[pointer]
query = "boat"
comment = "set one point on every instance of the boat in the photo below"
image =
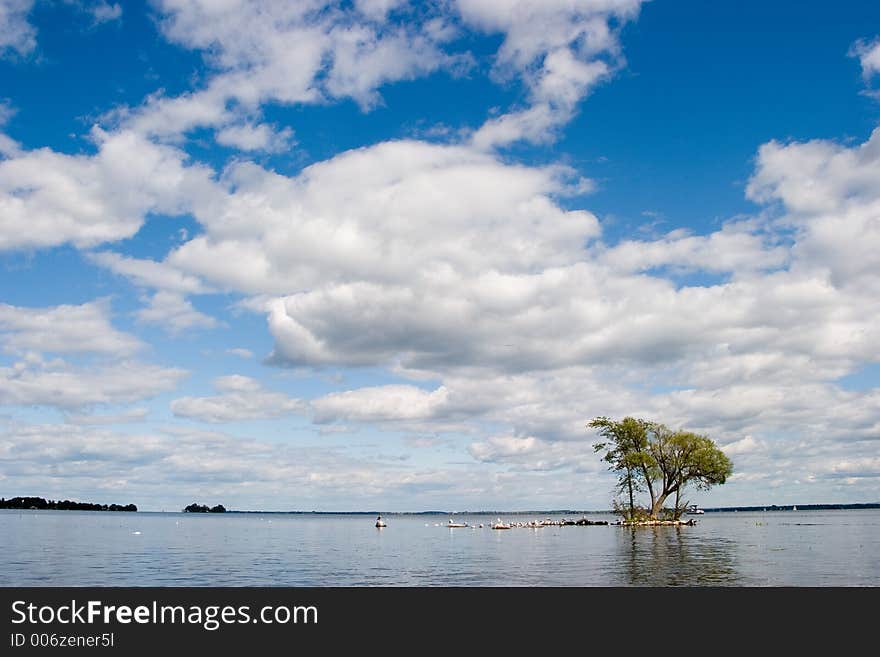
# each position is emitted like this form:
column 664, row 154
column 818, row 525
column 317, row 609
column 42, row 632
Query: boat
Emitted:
column 456, row 524
column 794, row 508
column 500, row 525
column 380, row 523
column 694, row 510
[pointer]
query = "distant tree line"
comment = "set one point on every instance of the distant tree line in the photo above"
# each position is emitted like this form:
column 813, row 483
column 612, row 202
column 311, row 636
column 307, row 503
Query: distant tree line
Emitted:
column 203, row 508
column 60, row 505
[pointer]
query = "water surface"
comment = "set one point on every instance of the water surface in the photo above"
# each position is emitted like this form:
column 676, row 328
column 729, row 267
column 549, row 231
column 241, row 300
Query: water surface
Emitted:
column 783, row 548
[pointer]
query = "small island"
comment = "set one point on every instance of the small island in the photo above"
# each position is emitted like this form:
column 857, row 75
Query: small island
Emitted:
column 203, row 508
column 650, row 457
column 40, row 504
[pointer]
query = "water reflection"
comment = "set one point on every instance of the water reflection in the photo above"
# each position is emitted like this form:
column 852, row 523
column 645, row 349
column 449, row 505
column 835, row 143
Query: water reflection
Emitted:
column 674, row 556
column 69, row 548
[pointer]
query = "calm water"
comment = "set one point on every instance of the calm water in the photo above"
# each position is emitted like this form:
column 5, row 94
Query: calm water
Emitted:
column 802, row 548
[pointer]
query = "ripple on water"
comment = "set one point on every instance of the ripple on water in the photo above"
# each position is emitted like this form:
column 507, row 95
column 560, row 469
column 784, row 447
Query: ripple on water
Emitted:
column 58, row 548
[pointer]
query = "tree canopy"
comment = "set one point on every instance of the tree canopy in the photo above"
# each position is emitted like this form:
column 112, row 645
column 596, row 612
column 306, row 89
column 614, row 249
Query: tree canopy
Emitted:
column 648, row 456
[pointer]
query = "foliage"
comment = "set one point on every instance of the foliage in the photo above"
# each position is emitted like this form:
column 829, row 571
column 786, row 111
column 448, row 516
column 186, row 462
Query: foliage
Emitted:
column 203, row 508
column 623, row 442
column 649, row 456
column 40, row 503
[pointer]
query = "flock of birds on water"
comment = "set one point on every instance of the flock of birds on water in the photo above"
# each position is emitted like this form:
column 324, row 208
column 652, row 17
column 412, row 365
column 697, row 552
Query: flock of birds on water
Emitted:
column 500, row 524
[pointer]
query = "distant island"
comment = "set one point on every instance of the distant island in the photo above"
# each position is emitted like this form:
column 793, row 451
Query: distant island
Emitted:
column 40, row 504
column 203, row 508
column 801, row 507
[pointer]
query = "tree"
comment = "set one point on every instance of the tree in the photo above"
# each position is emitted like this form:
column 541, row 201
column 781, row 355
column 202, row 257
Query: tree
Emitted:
column 650, row 456
column 624, row 443
column 681, row 458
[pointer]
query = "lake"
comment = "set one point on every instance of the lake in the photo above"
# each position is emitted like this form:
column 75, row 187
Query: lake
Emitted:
column 782, row 548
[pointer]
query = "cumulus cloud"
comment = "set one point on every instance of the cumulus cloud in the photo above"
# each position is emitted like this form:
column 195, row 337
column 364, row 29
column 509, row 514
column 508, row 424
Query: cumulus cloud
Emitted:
column 449, row 264
column 465, row 279
column 108, row 419
column 737, row 248
column 49, row 198
column 423, row 232
column 174, row 313
column 560, row 48
column 261, row 137
column 527, row 453
column 17, row 35
column 102, row 11
column 319, row 51
column 381, row 403
column 169, row 468
column 34, row 381
column 149, row 273
column 288, row 53
column 84, row 328
column 868, row 54
column 240, row 398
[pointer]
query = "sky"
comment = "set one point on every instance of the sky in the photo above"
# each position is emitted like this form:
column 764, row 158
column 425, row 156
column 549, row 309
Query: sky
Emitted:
column 390, row 255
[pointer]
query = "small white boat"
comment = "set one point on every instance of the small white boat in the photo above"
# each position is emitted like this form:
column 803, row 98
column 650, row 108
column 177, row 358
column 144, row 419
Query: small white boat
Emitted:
column 380, row 523
column 694, row 510
column 456, row 524
column 500, row 525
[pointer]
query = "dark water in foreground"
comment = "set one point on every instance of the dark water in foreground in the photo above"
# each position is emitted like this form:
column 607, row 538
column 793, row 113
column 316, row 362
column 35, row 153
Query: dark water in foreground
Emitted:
column 784, row 548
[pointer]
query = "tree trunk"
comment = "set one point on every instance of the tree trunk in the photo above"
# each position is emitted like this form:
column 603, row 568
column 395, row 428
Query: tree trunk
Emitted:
column 657, row 506
column 629, row 482
column 650, row 486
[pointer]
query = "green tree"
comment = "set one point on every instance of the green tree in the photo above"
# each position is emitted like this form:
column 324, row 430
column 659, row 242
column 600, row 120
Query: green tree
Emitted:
column 681, row 458
column 649, row 456
column 624, row 444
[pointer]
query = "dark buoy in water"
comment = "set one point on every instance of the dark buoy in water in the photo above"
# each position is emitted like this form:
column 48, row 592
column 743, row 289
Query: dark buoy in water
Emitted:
column 379, row 522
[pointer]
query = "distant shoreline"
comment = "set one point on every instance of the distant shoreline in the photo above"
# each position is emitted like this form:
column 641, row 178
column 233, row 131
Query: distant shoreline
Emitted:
column 30, row 503
column 768, row 508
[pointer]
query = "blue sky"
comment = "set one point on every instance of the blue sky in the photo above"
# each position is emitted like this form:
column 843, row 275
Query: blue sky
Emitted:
column 379, row 254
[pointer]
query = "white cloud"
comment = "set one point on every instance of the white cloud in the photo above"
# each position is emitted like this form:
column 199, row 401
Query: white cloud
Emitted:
column 168, row 469
column 102, row 11
column 831, row 201
column 241, row 352
column 49, row 198
column 377, row 9
column 108, row 419
column 260, row 137
column 451, row 265
column 16, row 33
column 34, row 381
column 446, row 264
column 380, row 403
column 744, row 445
column 174, row 313
column 561, row 49
column 736, row 248
column 84, row 328
column 530, row 453
column 288, row 53
column 868, row 53
column 19, row 36
column 240, row 398
column 8, row 146
column 149, row 273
